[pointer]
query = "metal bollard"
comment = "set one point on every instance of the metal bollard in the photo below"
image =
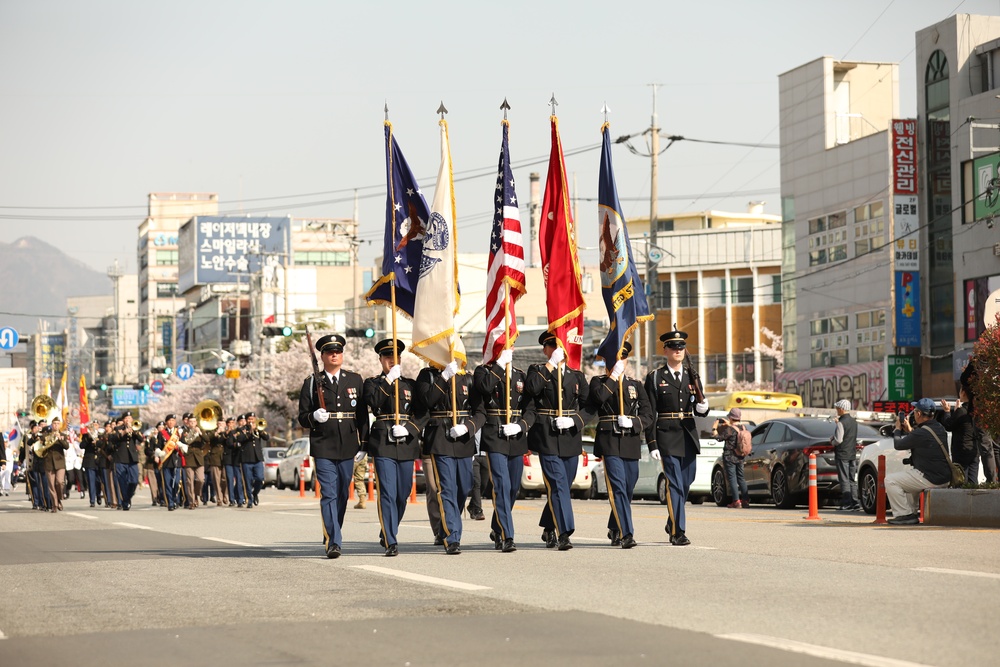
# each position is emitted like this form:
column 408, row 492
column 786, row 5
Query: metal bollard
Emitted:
column 813, row 491
column 880, row 492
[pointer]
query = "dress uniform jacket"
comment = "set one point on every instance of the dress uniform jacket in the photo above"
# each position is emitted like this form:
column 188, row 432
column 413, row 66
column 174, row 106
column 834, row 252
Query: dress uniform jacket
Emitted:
column 252, row 445
column 380, row 397
column 174, row 460
column 150, row 451
column 194, row 457
column 542, row 386
column 490, row 385
column 673, row 405
column 213, row 455
column 89, row 447
column 54, row 458
column 603, row 402
column 125, row 446
column 230, row 449
column 434, row 398
column 346, row 432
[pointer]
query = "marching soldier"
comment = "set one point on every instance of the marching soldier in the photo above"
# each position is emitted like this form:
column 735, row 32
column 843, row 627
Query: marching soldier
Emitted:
column 26, row 459
column 169, row 461
column 55, row 464
column 673, row 439
column 105, row 466
column 504, row 438
column 557, row 437
column 450, row 439
column 150, row 468
column 231, row 463
column 252, row 441
column 125, row 443
column 213, row 463
column 337, row 433
column 194, row 460
column 88, row 443
column 394, row 440
column 623, row 415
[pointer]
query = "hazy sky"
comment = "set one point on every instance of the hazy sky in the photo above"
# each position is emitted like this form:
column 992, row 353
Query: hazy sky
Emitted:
column 277, row 106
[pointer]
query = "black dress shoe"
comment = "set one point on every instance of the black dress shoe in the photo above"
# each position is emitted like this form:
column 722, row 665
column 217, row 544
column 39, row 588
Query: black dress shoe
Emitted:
column 550, row 539
column 564, row 543
column 438, row 541
column 381, row 540
column 391, row 550
column 628, row 542
column 905, row 520
column 680, row 540
column 615, row 537
column 333, row 550
column 497, row 542
column 508, row 546
column 453, row 549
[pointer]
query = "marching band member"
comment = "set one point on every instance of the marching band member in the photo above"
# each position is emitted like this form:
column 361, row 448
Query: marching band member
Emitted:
column 337, row 433
column 125, row 442
column 55, row 464
column 89, row 445
column 623, row 413
column 213, row 463
column 169, row 459
column 252, row 441
column 394, row 440
column 149, row 466
column 194, row 461
column 557, row 437
column 231, row 462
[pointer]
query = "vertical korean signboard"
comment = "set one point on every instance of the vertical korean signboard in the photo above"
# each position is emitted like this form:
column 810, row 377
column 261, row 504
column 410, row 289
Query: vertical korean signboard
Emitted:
column 906, row 235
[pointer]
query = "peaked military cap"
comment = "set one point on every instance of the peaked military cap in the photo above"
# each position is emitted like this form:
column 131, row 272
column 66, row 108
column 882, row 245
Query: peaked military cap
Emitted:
column 385, row 346
column 673, row 335
column 547, row 338
column 331, row 343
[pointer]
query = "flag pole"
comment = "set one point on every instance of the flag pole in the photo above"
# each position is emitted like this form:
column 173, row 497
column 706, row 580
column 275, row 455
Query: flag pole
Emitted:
column 392, row 281
column 506, row 334
column 454, row 399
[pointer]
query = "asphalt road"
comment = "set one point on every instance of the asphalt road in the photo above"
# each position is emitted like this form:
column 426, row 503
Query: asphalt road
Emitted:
column 252, row 587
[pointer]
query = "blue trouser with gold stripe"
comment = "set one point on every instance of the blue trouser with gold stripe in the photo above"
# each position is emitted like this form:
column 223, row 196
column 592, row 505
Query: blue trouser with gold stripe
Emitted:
column 335, row 477
column 558, row 472
column 234, row 480
column 453, row 477
column 505, row 471
column 679, row 471
column 621, row 476
column 393, row 479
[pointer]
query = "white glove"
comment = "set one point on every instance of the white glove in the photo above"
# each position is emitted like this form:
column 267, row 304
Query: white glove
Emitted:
column 393, row 374
column 184, row 447
column 701, row 407
column 655, row 453
column 450, row 371
column 505, row 358
column 458, row 430
column 359, row 456
column 563, row 423
column 399, row 431
column 618, row 369
column 557, row 356
column 624, row 422
column 158, row 453
column 321, row 416
column 511, row 429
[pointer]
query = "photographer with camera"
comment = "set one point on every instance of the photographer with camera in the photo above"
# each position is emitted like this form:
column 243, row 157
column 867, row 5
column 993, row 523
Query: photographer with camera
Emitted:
column 929, row 467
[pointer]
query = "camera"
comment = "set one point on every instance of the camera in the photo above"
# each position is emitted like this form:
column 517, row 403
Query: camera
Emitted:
column 901, row 415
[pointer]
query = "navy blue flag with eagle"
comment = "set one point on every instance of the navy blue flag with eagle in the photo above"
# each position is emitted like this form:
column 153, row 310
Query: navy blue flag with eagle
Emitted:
column 624, row 294
column 406, row 216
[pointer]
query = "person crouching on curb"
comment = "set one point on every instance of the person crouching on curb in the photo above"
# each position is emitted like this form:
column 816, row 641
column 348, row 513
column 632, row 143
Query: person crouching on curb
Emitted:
column 928, row 466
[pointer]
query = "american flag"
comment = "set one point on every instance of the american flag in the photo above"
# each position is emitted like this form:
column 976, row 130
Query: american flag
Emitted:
column 506, row 266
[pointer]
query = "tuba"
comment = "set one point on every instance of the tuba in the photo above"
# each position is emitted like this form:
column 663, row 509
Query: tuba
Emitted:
column 43, row 408
column 42, row 447
column 208, row 413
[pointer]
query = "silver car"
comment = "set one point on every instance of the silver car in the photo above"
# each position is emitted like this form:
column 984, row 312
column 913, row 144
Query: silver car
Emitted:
column 294, row 465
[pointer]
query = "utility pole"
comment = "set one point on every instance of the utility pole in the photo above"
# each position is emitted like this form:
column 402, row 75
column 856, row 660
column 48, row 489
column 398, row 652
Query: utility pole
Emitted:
column 652, row 277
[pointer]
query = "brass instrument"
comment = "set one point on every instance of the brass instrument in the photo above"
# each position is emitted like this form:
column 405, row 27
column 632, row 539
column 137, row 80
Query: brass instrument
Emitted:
column 137, row 425
column 43, row 408
column 261, row 424
column 42, row 447
column 209, row 414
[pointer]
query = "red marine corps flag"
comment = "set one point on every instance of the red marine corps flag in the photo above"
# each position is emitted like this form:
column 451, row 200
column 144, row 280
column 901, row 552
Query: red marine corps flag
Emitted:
column 560, row 262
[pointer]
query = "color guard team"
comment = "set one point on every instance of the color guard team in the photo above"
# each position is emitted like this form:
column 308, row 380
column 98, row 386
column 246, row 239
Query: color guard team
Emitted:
column 445, row 416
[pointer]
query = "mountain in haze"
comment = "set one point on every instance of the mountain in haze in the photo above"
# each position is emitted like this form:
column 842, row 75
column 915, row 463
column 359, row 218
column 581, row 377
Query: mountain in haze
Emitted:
column 36, row 278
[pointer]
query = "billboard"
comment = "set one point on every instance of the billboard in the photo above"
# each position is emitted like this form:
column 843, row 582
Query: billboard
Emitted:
column 905, row 212
column 907, row 309
column 227, row 249
column 985, row 171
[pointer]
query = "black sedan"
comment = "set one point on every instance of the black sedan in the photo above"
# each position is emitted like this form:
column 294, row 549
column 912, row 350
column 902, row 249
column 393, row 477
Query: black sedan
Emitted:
column 778, row 466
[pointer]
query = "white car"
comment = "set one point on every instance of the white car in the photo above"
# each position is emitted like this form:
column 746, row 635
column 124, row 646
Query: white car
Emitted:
column 711, row 450
column 532, row 484
column 294, row 465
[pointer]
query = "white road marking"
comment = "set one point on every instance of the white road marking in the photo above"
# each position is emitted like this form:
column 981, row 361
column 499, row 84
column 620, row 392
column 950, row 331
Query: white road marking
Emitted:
column 422, row 578
column 312, row 515
column 80, row 515
column 825, row 652
column 965, row 573
column 133, row 525
column 233, row 542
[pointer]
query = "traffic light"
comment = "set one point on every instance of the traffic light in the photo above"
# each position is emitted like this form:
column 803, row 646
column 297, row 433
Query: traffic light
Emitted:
column 276, row 331
column 144, row 387
column 22, row 413
column 165, row 372
column 361, row 333
column 214, row 370
column 104, row 386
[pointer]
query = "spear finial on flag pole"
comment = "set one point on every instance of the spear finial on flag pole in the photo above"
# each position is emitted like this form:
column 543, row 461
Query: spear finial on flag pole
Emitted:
column 605, row 110
column 553, row 104
column 505, row 107
column 387, row 110
column 441, row 110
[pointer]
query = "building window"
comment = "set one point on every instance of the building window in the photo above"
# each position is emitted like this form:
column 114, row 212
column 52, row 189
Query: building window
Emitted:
column 143, row 260
column 323, row 258
column 664, row 225
column 166, row 289
column 687, row 293
column 817, row 225
column 661, row 298
column 166, row 257
column 775, row 289
column 144, row 294
column 741, row 290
